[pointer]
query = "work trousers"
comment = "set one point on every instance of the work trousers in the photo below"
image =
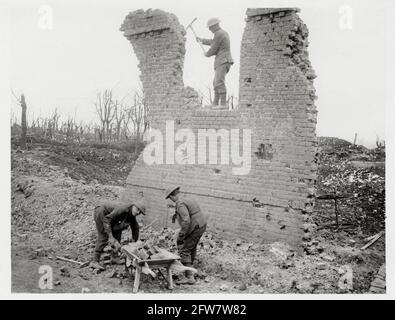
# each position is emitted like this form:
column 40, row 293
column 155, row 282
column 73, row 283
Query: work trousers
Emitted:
column 219, row 78
column 102, row 236
column 188, row 249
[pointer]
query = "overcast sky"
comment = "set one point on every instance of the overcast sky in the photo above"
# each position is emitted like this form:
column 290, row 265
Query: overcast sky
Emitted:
column 84, row 52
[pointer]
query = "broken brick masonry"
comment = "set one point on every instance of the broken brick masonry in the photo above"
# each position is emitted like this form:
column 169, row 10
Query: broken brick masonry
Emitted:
column 274, row 200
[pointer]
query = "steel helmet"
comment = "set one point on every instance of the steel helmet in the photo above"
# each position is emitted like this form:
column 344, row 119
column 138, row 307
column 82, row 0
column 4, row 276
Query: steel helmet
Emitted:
column 141, row 206
column 170, row 190
column 212, row 22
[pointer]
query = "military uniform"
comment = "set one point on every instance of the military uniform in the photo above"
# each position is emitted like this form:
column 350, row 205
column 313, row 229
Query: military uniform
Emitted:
column 110, row 219
column 193, row 225
column 220, row 47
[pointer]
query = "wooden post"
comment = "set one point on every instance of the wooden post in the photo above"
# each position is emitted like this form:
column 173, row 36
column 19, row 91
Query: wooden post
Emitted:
column 23, row 122
column 170, row 277
column 137, row 279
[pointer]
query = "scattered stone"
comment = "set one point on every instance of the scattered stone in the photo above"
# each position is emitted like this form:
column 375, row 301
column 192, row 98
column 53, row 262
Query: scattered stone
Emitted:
column 57, row 283
column 286, row 264
column 96, row 271
column 64, row 272
column 245, row 247
column 85, row 290
column 321, row 266
column 346, row 280
column 32, row 256
column 282, row 250
column 112, row 274
column 224, row 276
column 328, row 258
column 40, row 252
column 305, row 287
column 242, row 287
column 84, row 276
column 223, row 287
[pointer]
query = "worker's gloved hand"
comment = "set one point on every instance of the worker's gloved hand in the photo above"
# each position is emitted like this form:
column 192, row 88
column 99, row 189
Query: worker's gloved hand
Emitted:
column 115, row 244
column 179, row 242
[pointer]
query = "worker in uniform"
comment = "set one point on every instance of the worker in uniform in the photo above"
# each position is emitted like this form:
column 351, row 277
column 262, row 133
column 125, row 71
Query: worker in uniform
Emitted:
column 193, row 224
column 111, row 219
column 220, row 48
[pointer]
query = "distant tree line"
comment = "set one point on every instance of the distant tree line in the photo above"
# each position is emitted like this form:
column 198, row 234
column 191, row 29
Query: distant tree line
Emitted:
column 117, row 121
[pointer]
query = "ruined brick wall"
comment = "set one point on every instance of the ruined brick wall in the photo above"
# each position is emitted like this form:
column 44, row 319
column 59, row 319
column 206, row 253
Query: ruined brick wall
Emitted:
column 273, row 201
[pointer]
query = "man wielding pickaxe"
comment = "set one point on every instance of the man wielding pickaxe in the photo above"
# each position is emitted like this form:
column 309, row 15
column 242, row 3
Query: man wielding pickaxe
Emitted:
column 220, row 48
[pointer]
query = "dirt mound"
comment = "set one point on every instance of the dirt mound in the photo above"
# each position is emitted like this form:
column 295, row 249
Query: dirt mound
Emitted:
column 86, row 164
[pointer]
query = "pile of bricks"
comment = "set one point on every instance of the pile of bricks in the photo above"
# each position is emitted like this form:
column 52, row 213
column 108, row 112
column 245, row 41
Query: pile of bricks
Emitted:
column 274, row 200
column 378, row 285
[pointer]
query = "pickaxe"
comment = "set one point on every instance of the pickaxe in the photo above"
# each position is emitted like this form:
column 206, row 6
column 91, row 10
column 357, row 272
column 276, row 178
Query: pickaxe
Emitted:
column 190, row 27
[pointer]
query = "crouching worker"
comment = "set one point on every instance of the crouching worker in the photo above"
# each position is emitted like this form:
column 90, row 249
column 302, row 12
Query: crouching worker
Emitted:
column 111, row 219
column 193, row 225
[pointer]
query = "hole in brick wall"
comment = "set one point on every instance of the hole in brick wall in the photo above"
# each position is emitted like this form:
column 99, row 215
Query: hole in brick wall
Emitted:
column 256, row 203
column 178, row 121
column 265, row 151
column 249, row 105
column 216, row 171
column 247, row 80
column 268, row 217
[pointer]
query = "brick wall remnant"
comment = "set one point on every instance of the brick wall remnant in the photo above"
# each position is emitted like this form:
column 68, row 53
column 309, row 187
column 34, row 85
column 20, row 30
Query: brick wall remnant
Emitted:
column 276, row 101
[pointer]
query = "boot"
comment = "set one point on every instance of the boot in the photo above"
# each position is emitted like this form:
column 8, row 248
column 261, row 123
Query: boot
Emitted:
column 118, row 260
column 96, row 265
column 223, row 101
column 216, row 99
column 189, row 278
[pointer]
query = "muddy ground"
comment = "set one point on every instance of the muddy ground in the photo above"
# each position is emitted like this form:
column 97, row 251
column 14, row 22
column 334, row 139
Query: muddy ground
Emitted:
column 55, row 188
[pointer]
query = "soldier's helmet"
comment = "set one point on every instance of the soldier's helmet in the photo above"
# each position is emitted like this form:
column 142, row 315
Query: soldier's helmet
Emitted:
column 212, row 22
column 170, row 190
column 141, row 206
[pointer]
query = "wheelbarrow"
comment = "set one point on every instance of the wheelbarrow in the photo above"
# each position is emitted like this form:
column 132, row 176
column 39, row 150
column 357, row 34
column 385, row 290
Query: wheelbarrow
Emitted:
column 170, row 261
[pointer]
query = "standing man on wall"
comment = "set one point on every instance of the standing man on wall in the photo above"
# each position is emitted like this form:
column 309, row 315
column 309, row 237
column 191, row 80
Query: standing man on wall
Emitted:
column 220, row 47
column 193, row 224
column 111, row 219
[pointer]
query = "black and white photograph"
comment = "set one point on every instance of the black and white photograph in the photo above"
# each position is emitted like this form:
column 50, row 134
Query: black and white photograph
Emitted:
column 198, row 148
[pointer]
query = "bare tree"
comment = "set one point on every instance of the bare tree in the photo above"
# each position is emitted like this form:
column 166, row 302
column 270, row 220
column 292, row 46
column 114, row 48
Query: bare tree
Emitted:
column 119, row 118
column 22, row 103
column 23, row 121
column 138, row 114
column 105, row 109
